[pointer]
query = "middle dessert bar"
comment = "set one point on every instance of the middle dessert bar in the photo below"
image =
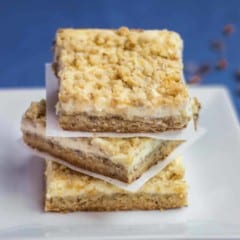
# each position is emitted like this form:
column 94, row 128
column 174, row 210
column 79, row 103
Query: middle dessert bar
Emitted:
column 123, row 159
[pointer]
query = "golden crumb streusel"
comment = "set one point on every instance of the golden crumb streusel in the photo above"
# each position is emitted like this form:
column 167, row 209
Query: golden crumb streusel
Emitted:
column 115, row 69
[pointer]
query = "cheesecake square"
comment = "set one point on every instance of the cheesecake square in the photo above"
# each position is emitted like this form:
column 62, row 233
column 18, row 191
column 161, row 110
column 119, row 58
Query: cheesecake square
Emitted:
column 69, row 191
column 125, row 159
column 120, row 80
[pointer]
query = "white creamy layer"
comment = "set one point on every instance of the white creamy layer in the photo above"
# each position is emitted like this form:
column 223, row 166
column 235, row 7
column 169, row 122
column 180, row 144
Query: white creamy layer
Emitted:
column 139, row 155
column 126, row 111
column 81, row 145
column 129, row 161
column 58, row 186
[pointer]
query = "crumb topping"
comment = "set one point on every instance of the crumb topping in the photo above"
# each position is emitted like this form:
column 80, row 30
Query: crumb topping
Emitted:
column 119, row 68
column 36, row 113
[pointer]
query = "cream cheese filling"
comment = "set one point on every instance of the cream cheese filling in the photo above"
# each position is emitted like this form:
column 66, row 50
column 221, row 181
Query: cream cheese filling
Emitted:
column 70, row 108
column 139, row 155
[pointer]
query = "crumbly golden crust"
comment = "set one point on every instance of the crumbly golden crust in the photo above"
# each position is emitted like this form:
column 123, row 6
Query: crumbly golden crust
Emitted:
column 36, row 113
column 84, row 122
column 117, row 202
column 110, row 70
column 68, row 190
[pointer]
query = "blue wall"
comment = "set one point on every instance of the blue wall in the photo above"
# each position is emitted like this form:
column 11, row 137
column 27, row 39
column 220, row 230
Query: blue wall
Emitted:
column 28, row 27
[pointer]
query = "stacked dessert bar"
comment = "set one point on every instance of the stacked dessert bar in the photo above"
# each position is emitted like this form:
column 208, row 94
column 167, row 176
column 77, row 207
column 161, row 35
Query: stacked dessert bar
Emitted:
column 118, row 81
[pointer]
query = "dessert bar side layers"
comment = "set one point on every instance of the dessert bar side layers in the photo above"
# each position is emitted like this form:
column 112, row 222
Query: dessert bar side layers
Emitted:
column 122, row 159
column 84, row 122
column 67, row 190
column 120, row 80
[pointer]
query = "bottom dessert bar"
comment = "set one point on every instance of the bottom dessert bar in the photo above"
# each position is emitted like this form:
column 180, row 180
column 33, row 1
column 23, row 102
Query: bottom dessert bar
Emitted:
column 67, row 191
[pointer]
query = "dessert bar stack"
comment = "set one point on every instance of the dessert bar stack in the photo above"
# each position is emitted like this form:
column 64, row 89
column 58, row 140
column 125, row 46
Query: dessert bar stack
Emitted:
column 113, row 81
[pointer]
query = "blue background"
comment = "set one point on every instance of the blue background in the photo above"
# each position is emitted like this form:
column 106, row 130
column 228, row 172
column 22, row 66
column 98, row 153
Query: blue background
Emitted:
column 28, row 28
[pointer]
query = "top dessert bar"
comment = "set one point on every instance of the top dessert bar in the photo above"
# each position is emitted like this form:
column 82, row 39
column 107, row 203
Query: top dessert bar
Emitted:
column 120, row 80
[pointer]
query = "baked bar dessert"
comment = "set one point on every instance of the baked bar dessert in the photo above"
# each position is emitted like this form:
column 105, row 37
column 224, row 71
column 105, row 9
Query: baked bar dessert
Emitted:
column 124, row 159
column 120, row 80
column 67, row 191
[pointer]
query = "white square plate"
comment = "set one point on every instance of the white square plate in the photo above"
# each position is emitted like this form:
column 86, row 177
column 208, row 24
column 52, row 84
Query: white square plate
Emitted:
column 212, row 171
